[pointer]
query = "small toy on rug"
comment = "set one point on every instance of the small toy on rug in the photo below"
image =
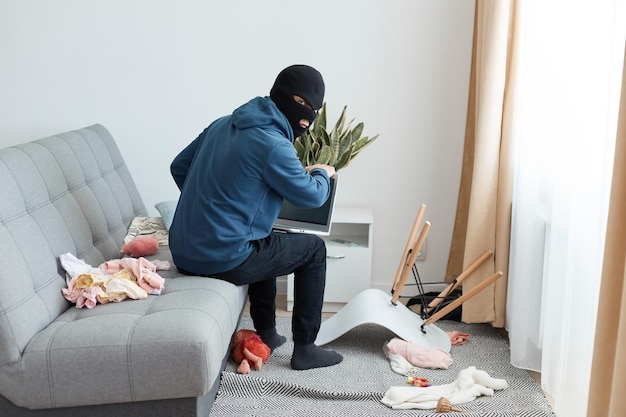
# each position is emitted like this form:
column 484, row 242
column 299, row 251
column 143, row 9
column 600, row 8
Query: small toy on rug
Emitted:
column 141, row 246
column 247, row 347
column 418, row 382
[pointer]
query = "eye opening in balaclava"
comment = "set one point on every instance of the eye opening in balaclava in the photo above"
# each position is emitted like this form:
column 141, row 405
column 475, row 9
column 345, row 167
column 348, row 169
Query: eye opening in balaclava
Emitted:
column 303, row 81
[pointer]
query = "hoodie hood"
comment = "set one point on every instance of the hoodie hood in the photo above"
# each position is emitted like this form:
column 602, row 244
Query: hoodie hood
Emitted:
column 262, row 113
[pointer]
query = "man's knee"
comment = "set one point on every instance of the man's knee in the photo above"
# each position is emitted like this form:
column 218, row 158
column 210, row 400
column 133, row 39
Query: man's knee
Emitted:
column 320, row 248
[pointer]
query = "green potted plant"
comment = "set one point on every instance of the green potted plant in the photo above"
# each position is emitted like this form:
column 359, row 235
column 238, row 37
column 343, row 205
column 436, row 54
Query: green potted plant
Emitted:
column 336, row 147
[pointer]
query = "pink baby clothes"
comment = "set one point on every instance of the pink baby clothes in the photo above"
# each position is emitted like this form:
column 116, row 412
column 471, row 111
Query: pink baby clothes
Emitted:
column 416, row 355
column 83, row 297
column 143, row 269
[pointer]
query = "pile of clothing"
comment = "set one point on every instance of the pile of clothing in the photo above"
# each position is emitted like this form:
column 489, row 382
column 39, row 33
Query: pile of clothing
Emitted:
column 112, row 281
column 470, row 384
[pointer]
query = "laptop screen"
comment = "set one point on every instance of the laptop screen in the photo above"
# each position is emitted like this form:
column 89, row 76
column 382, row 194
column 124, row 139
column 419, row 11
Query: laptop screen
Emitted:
column 308, row 220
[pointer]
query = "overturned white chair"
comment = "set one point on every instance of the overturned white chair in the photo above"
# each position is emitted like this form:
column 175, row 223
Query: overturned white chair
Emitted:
column 373, row 306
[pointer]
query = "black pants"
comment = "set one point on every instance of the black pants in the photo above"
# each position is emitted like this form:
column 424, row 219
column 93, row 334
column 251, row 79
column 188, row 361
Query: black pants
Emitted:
column 281, row 254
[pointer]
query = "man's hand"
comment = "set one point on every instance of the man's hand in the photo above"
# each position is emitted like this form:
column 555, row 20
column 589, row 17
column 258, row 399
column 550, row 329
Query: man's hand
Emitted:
column 329, row 170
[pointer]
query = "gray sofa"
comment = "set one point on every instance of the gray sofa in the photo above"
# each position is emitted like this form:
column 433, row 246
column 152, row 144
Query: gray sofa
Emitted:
column 161, row 356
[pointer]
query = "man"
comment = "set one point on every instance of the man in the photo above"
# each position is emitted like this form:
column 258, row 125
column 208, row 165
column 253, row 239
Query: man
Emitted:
column 233, row 179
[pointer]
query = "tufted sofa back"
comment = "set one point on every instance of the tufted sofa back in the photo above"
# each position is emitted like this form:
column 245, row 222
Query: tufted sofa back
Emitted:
column 66, row 193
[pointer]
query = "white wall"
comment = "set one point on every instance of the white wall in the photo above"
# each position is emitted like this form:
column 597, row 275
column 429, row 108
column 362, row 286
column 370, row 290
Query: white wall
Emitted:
column 155, row 73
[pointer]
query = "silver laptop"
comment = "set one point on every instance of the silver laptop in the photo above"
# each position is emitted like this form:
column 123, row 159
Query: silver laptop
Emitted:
column 308, row 220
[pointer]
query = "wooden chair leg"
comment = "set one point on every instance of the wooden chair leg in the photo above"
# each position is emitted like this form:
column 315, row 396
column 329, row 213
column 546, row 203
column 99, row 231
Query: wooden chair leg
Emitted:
column 407, row 270
column 404, row 262
column 452, row 286
column 462, row 299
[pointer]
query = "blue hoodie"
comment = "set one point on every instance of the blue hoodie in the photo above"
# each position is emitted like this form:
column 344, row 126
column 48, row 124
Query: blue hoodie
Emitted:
column 233, row 178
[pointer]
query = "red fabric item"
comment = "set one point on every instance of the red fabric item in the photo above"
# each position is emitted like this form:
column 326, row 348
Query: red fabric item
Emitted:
column 458, row 338
column 141, row 246
column 247, row 347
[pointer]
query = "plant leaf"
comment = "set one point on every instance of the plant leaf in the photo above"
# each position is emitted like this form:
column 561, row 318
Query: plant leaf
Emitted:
column 343, row 161
column 325, row 155
column 358, row 129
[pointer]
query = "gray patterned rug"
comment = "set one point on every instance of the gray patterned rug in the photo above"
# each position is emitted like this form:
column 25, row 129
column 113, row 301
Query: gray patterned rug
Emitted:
column 356, row 386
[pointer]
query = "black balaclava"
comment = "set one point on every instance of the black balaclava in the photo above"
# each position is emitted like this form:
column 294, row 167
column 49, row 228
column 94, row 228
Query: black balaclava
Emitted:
column 303, row 81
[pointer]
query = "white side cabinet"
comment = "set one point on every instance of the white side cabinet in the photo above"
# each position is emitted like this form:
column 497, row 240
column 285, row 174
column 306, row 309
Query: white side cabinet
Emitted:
column 349, row 258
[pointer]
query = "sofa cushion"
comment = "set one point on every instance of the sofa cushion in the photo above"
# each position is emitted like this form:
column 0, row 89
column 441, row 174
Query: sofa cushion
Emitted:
column 166, row 210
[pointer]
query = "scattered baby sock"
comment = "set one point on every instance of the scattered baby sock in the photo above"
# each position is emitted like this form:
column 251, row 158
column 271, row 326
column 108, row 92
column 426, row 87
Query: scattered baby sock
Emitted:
column 271, row 338
column 311, row 356
column 458, row 338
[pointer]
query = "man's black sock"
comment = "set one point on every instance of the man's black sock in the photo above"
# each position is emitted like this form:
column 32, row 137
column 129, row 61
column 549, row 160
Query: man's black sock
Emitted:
column 271, row 338
column 312, row 356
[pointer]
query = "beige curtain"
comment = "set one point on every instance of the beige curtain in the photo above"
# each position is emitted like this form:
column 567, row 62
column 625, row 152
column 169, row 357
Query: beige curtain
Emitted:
column 608, row 373
column 484, row 204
